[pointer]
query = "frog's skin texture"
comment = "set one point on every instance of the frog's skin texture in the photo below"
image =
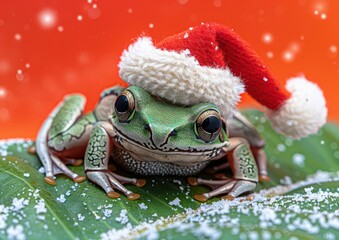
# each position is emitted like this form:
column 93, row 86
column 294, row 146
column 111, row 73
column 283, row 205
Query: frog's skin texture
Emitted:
column 149, row 136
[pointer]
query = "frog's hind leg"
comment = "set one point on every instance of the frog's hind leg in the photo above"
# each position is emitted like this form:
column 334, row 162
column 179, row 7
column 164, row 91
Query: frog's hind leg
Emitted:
column 56, row 135
column 239, row 126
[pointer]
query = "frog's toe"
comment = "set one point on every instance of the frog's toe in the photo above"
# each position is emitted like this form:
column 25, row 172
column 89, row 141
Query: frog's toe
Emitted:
column 133, row 196
column 249, row 198
column 100, row 178
column 109, row 181
column 50, row 180
column 233, row 188
column 140, row 182
column 192, row 181
column 113, row 194
column 31, row 150
column 228, row 197
column 200, row 197
column 79, row 179
column 59, row 167
column 74, row 162
column 127, row 180
column 210, row 170
column 113, row 168
column 241, row 187
column 264, row 178
column 220, row 176
column 214, row 184
column 77, row 162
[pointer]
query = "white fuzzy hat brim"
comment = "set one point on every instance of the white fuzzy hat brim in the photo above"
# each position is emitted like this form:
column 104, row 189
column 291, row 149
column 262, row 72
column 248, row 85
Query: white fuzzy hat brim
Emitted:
column 178, row 77
column 304, row 113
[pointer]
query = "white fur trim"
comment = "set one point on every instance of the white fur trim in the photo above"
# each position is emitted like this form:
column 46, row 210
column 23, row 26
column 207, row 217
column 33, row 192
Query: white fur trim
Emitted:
column 178, row 77
column 303, row 113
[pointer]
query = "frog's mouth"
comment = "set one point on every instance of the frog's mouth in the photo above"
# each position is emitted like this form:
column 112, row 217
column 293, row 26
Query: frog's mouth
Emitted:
column 143, row 152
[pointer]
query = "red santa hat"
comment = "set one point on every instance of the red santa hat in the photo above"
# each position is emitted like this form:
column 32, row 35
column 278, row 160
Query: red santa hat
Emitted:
column 211, row 63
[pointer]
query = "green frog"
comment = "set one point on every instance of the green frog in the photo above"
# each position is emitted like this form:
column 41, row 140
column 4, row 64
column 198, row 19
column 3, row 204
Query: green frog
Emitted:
column 147, row 135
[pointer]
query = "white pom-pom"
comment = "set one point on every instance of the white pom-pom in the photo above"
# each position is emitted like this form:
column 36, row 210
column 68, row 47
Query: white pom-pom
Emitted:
column 303, row 113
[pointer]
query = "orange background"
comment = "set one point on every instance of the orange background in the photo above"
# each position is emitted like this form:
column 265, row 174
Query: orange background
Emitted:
column 79, row 49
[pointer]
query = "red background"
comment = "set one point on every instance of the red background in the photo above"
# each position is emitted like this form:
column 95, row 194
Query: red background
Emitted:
column 39, row 65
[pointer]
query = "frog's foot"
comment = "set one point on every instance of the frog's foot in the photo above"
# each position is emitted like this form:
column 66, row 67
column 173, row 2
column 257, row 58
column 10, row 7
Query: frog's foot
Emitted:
column 231, row 187
column 59, row 167
column 74, row 162
column 31, row 150
column 110, row 181
column 264, row 178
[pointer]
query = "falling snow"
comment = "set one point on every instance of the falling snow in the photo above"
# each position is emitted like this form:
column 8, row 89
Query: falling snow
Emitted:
column 17, row 37
column 298, row 159
column 267, row 38
column 3, row 92
column 281, row 147
column 333, row 48
column 270, row 54
column 19, row 75
column 288, row 56
column 47, row 18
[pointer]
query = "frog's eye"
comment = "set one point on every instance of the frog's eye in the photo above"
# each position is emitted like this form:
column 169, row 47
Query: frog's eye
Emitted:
column 208, row 125
column 124, row 106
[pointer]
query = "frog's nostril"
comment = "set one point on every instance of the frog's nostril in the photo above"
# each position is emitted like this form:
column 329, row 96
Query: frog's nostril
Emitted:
column 173, row 133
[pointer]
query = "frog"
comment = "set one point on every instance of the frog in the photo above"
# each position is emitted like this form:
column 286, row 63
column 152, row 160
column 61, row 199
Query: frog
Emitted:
column 146, row 135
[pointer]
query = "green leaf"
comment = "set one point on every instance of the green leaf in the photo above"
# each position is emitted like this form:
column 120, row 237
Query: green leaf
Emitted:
column 300, row 201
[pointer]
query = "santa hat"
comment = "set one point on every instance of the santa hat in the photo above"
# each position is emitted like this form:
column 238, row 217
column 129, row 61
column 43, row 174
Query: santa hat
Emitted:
column 211, row 63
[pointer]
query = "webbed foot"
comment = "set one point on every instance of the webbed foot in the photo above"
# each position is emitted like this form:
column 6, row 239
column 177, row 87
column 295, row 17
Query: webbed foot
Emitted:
column 231, row 187
column 110, row 181
column 54, row 166
column 245, row 174
column 59, row 167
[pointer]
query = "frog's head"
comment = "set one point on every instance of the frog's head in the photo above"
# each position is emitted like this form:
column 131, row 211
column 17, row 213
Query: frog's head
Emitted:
column 144, row 122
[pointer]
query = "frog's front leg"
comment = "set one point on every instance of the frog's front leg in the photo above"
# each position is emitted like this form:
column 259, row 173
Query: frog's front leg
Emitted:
column 97, row 157
column 245, row 173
